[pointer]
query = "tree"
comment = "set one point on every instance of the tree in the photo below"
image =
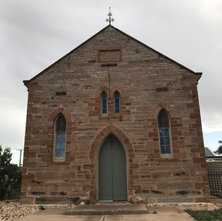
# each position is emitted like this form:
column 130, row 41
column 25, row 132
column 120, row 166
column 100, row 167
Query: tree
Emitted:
column 219, row 150
column 10, row 176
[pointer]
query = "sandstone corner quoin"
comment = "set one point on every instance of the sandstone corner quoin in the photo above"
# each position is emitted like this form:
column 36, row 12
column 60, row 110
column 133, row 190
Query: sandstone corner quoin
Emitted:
column 114, row 120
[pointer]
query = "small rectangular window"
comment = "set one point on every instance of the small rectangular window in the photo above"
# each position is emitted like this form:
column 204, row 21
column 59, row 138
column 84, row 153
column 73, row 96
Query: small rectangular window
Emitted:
column 60, row 93
column 162, row 89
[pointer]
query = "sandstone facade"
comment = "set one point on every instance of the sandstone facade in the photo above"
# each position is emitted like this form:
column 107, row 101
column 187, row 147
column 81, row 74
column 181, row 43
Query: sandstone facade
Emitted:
column 147, row 82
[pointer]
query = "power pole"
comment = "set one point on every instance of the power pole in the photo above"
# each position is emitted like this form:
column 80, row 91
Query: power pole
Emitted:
column 20, row 158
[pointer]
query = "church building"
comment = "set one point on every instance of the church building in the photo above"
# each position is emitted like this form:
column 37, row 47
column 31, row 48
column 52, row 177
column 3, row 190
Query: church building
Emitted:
column 114, row 120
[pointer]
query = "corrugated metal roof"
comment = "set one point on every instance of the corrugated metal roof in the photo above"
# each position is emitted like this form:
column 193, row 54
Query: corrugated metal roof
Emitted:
column 209, row 152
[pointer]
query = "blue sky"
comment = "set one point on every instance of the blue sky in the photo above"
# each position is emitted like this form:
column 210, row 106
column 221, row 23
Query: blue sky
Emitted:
column 16, row 156
column 211, row 139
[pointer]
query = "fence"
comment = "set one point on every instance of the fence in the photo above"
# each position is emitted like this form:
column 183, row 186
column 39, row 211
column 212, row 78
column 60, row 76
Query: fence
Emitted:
column 215, row 182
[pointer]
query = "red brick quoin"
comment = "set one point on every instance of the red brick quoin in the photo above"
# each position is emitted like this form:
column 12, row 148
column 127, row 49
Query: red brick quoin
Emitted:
column 161, row 106
column 56, row 112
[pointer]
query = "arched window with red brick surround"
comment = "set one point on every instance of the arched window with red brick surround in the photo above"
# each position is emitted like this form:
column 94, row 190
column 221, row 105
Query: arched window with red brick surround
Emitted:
column 116, row 99
column 164, row 130
column 104, row 104
column 60, row 138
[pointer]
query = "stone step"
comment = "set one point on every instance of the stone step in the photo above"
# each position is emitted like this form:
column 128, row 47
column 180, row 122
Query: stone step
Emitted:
column 108, row 209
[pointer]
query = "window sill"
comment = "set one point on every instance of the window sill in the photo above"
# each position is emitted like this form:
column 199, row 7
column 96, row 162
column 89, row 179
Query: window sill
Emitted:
column 59, row 159
column 166, row 156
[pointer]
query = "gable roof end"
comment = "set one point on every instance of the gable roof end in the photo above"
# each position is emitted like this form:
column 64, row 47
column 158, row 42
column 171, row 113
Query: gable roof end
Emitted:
column 209, row 152
column 128, row 36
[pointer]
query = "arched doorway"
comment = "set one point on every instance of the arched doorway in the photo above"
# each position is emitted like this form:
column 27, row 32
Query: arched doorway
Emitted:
column 112, row 171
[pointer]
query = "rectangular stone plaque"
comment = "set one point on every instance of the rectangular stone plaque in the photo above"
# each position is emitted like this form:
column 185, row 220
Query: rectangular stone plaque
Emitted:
column 109, row 55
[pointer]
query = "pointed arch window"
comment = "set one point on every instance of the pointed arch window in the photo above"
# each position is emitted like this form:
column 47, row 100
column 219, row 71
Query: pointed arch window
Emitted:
column 104, row 103
column 116, row 103
column 165, row 140
column 60, row 138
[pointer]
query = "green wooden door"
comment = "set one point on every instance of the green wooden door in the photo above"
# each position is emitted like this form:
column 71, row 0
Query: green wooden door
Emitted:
column 112, row 171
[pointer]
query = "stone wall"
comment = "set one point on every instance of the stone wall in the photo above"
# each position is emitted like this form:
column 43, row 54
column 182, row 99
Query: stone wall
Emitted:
column 140, row 76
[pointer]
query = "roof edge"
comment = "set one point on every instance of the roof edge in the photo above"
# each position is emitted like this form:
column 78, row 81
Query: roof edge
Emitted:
column 109, row 25
column 27, row 81
column 198, row 73
column 193, row 72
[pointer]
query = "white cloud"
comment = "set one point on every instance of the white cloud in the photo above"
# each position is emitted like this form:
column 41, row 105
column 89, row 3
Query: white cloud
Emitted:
column 36, row 33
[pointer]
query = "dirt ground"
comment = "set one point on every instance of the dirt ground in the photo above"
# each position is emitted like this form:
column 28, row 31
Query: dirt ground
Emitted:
column 14, row 211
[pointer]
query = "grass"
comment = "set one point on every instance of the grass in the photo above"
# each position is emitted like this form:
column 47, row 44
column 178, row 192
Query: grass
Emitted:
column 204, row 215
column 41, row 207
column 216, row 193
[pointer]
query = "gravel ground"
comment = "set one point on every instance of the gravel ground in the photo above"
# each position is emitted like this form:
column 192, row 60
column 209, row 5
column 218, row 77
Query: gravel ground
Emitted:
column 13, row 211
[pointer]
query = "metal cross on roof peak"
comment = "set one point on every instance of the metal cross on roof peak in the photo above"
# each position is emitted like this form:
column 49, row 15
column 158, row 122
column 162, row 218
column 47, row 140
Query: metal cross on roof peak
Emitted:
column 110, row 19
